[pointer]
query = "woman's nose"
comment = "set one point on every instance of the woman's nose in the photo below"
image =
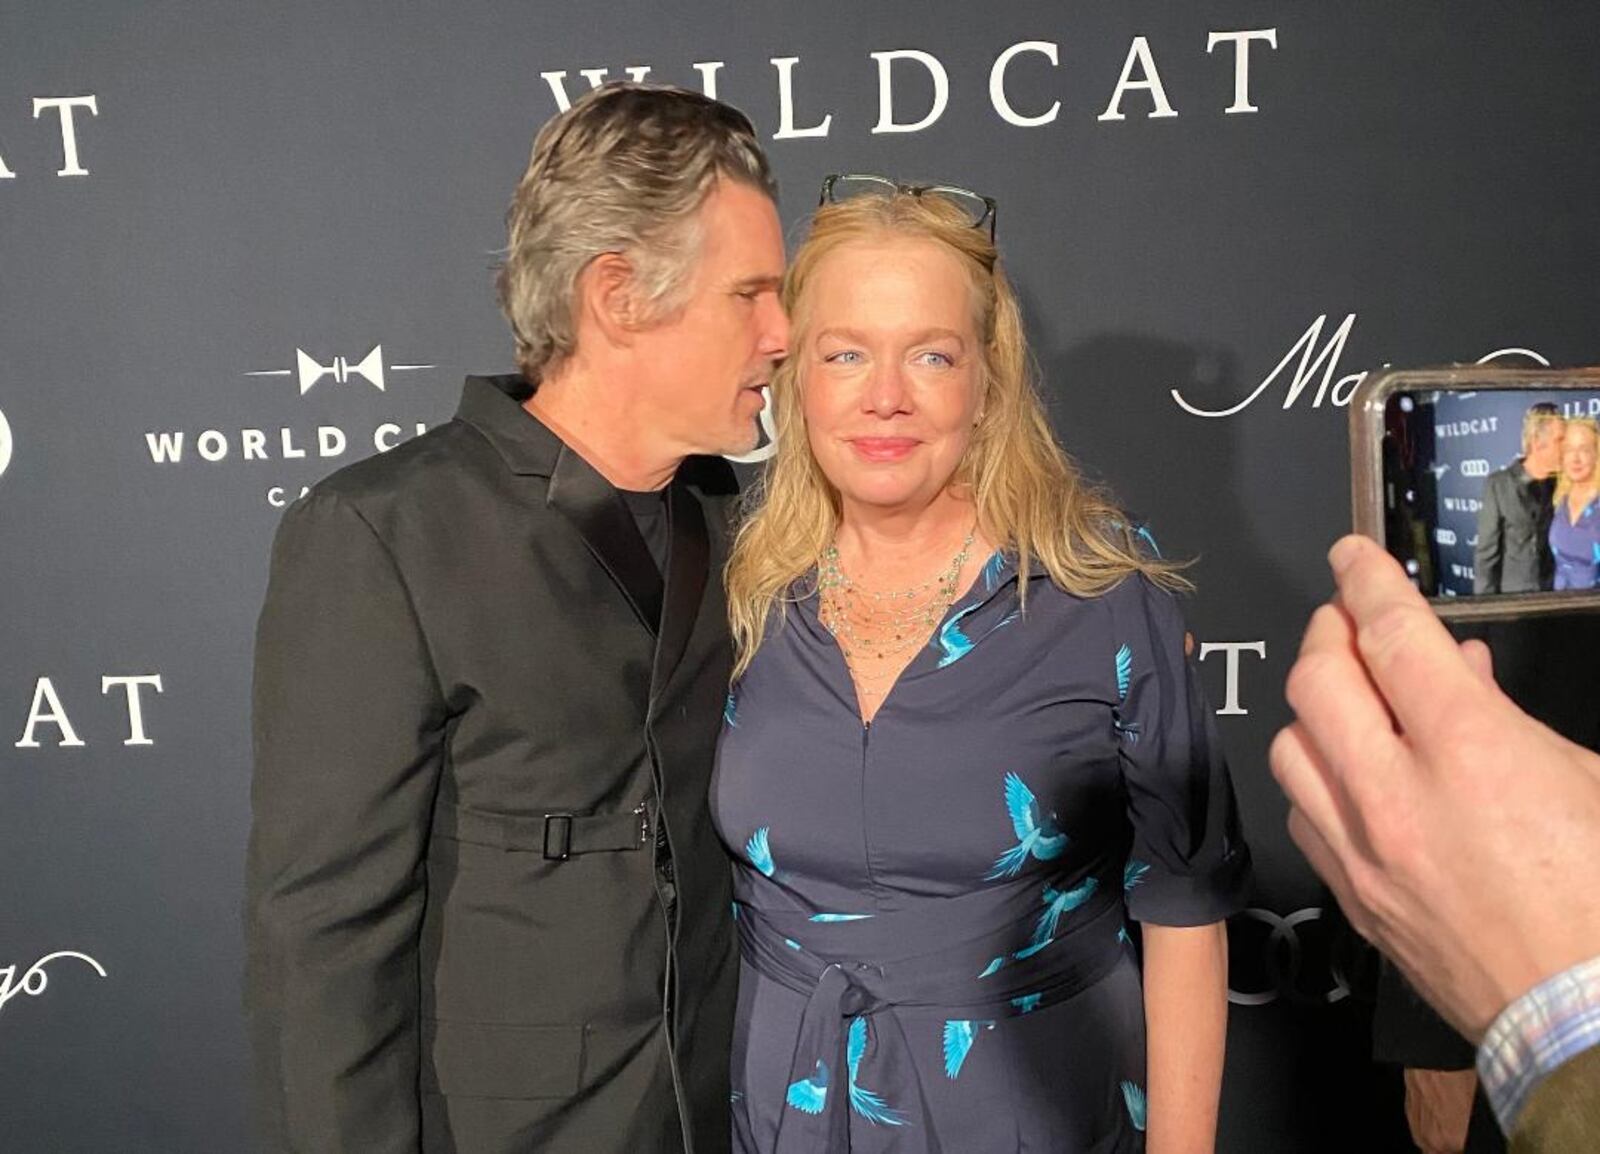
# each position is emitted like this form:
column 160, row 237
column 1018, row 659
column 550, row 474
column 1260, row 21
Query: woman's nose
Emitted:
column 886, row 390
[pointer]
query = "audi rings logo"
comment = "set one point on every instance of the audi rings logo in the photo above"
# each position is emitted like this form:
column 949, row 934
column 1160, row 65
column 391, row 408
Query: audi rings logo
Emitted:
column 1475, row 468
column 1445, row 536
column 5, row 444
column 1272, row 956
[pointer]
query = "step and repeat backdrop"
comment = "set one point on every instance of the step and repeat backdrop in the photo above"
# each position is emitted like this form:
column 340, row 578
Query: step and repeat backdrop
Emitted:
column 244, row 245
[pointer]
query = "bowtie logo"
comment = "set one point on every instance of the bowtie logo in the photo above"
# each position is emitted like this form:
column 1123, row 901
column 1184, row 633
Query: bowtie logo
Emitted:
column 309, row 371
column 369, row 368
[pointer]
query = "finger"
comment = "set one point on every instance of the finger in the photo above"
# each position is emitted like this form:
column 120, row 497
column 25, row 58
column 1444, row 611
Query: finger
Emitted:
column 1414, row 662
column 1330, row 869
column 1313, row 791
column 1480, row 660
column 1329, row 689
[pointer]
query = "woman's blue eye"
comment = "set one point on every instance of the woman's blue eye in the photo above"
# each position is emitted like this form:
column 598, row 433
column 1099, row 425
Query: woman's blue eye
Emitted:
column 942, row 359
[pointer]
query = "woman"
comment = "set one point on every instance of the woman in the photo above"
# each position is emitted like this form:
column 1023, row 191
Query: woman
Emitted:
column 1575, row 529
column 963, row 743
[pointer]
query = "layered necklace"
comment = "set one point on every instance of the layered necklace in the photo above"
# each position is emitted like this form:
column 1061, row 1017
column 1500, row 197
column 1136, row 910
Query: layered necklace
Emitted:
column 874, row 626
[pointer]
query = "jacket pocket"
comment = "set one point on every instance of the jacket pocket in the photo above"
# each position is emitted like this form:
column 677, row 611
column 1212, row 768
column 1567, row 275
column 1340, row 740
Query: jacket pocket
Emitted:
column 495, row 1060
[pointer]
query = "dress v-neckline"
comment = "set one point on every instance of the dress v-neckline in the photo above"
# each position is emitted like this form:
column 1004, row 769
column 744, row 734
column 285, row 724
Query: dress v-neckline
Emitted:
column 990, row 577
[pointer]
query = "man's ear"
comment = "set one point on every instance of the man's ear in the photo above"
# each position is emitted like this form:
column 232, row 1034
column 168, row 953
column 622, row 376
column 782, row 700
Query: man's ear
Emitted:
column 606, row 297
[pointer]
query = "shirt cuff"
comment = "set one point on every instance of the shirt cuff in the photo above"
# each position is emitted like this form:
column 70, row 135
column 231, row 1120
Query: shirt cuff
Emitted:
column 1556, row 1020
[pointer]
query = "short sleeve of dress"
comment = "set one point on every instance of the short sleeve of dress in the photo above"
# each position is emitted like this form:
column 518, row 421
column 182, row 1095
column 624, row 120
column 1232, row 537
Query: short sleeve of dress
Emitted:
column 1189, row 864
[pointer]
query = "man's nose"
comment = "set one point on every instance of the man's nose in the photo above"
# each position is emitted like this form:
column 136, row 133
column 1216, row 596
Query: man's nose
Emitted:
column 774, row 329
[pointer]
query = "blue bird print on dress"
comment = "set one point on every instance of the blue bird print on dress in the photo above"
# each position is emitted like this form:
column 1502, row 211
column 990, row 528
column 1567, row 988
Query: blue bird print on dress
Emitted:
column 759, row 851
column 791, row 943
column 1027, row 1003
column 1133, row 872
column 810, row 1095
column 958, row 1038
column 1143, row 531
column 1122, row 936
column 839, row 917
column 1128, row 729
column 1057, row 903
column 955, row 643
column 1133, row 1097
column 730, row 712
column 991, row 570
column 1036, row 835
column 863, row 1101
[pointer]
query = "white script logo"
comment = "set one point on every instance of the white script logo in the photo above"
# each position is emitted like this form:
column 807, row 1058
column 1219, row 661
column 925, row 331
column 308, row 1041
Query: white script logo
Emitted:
column 34, row 980
column 1339, row 391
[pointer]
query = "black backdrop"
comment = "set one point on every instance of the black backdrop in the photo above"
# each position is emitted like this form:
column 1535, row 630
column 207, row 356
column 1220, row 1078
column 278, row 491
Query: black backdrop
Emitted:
column 243, row 245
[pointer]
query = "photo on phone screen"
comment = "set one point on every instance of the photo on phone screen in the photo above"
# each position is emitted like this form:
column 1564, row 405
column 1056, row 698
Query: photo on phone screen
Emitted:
column 1484, row 485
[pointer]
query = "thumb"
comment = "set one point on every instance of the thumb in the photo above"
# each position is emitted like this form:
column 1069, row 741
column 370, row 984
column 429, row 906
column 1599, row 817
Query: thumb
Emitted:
column 1480, row 660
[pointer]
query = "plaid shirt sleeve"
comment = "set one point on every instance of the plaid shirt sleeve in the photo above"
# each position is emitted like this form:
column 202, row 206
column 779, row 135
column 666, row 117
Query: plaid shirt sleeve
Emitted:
column 1556, row 1020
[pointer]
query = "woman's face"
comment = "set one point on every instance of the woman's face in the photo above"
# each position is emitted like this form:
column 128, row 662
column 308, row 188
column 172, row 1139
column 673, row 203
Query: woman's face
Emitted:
column 1578, row 454
column 890, row 370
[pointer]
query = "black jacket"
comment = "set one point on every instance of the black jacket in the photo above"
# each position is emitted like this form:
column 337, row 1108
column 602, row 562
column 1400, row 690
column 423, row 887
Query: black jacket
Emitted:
column 1513, row 550
column 486, row 910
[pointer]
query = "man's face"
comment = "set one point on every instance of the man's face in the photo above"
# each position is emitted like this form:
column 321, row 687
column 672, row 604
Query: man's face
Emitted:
column 1544, row 454
column 700, row 372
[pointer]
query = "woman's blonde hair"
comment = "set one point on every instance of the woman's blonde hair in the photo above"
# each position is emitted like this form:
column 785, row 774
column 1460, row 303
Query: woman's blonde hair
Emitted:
column 1563, row 482
column 1030, row 498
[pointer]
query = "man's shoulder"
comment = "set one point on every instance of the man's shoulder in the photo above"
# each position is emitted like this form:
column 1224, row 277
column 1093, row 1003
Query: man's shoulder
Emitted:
column 429, row 463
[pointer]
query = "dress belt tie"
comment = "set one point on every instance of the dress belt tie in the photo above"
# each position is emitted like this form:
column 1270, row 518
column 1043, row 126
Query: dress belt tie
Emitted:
column 865, row 967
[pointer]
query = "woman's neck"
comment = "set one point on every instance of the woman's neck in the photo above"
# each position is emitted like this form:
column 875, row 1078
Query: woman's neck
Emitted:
column 890, row 546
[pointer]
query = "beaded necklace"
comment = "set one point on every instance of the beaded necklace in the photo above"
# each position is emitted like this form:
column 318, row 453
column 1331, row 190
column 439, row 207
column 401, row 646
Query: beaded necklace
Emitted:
column 871, row 625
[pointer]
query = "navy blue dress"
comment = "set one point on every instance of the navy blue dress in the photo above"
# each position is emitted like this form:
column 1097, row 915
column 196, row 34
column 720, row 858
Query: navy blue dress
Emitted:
column 932, row 909
column 1576, row 546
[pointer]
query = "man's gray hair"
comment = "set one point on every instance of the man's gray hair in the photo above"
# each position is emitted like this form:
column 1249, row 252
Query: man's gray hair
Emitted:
column 624, row 170
column 1535, row 419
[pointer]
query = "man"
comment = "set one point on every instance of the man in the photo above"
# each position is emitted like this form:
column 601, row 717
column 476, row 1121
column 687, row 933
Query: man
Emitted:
column 1459, row 835
column 1513, row 550
column 486, row 908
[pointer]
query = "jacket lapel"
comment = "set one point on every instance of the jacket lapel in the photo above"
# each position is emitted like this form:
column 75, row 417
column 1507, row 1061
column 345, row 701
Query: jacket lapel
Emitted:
column 595, row 509
column 688, row 561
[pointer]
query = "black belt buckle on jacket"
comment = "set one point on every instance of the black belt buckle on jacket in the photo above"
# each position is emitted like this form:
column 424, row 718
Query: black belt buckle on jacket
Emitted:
column 563, row 837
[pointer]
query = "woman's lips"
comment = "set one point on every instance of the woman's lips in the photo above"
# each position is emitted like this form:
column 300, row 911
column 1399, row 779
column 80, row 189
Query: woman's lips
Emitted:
column 883, row 448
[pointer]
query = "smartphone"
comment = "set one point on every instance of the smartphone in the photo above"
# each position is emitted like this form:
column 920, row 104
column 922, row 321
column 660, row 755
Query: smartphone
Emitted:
column 1484, row 482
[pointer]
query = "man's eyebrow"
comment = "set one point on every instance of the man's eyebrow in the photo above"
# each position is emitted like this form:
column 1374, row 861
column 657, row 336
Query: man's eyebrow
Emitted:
column 759, row 283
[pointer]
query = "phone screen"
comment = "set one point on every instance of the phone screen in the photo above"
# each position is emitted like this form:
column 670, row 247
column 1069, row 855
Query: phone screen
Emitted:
column 1493, row 491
